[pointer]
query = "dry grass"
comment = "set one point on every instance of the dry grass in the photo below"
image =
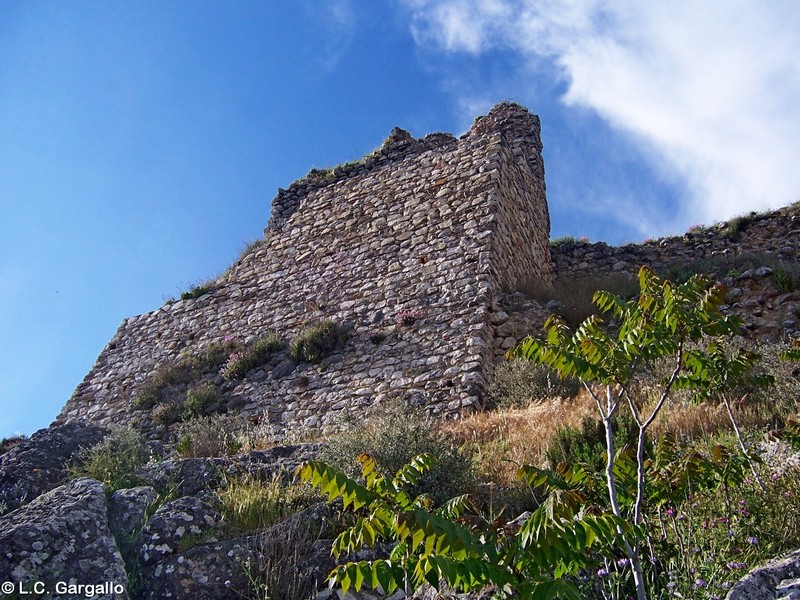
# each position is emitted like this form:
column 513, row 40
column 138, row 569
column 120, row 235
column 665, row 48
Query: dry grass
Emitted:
column 685, row 420
column 504, row 439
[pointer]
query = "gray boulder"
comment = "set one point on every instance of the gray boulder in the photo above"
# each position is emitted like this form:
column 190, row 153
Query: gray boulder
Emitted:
column 175, row 525
column 190, row 476
column 126, row 513
column 63, row 536
column 40, row 463
column 287, row 560
column 776, row 579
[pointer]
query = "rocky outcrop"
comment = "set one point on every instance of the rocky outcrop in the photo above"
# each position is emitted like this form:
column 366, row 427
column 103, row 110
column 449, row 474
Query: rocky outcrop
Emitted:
column 40, row 463
column 127, row 510
column 62, row 537
column 178, row 548
column 285, row 560
column 193, row 475
column 779, row 579
column 174, row 525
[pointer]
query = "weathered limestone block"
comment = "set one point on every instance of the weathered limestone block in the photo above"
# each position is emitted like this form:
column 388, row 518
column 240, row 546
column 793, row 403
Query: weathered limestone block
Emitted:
column 284, row 560
column 769, row 581
column 40, row 463
column 191, row 476
column 126, row 513
column 62, row 536
column 172, row 524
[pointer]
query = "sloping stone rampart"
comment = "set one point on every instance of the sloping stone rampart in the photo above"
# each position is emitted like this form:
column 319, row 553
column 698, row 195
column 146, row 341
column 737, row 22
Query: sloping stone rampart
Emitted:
column 775, row 233
column 438, row 226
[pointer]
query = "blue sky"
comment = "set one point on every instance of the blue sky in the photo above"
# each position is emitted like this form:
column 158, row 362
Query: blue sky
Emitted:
column 141, row 143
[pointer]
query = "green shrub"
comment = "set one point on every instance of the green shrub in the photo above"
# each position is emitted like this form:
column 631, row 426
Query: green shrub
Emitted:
column 188, row 369
column 566, row 241
column 738, row 224
column 239, row 363
column 168, row 413
column 217, row 435
column 8, row 443
column 587, row 446
column 319, row 174
column 202, row 400
column 198, row 290
column 115, row 461
column 165, row 376
column 212, row 356
column 517, row 383
column 318, row 341
column 148, row 397
column 393, row 435
column 784, row 279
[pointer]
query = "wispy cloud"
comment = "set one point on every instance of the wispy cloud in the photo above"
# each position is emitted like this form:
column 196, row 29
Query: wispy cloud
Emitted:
column 338, row 21
column 710, row 92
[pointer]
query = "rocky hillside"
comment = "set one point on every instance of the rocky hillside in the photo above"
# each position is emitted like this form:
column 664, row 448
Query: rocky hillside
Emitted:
column 163, row 530
column 756, row 256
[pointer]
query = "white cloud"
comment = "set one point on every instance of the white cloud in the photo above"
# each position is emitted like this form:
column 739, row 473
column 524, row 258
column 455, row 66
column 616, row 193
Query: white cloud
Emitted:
column 710, row 91
column 338, row 22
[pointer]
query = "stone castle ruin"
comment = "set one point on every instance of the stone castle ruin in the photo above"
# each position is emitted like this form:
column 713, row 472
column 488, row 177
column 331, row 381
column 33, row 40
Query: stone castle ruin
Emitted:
column 407, row 250
column 426, row 260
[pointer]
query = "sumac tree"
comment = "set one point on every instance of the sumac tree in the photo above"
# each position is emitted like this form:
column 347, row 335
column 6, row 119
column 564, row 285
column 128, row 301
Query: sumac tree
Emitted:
column 455, row 546
column 606, row 356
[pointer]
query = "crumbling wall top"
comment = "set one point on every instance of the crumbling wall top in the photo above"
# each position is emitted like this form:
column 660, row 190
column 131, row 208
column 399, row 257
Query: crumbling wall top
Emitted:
column 514, row 121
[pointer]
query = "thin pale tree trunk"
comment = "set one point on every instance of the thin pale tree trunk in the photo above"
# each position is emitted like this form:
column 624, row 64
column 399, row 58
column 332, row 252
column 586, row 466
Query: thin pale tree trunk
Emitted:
column 631, row 551
column 742, row 443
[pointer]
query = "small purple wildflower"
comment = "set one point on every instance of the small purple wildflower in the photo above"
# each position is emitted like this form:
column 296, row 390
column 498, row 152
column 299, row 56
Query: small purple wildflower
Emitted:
column 752, row 540
column 700, row 583
column 622, row 562
column 602, row 572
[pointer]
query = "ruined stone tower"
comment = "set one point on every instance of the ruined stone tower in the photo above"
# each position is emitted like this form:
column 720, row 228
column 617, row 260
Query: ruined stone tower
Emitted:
column 435, row 227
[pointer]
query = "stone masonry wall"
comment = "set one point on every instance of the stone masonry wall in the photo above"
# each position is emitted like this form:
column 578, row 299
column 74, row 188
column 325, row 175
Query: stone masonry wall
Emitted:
column 775, row 233
column 438, row 226
column 748, row 254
